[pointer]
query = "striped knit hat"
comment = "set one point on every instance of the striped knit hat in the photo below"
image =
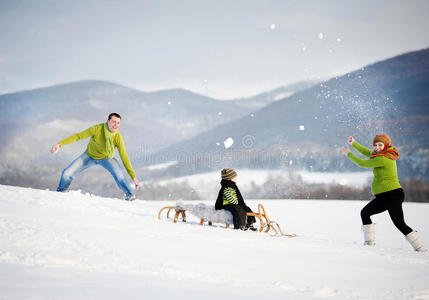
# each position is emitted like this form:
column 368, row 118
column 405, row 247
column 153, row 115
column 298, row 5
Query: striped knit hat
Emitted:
column 228, row 174
column 383, row 138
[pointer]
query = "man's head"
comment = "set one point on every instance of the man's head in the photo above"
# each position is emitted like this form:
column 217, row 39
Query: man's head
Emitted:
column 113, row 122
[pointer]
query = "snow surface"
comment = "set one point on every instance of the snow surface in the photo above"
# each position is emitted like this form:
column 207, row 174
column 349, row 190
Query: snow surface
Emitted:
column 79, row 246
column 161, row 166
column 352, row 179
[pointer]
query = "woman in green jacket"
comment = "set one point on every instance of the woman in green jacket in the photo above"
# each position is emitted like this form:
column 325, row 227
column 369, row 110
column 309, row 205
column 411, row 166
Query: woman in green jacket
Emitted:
column 385, row 187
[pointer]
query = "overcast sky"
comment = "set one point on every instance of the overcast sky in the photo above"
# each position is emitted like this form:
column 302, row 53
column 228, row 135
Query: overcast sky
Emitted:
column 222, row 48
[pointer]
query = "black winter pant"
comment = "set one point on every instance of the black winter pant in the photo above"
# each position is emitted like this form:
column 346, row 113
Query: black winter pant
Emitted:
column 390, row 201
column 240, row 219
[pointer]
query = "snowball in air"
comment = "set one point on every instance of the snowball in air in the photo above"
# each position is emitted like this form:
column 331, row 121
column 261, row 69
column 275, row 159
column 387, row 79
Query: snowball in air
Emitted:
column 228, row 142
column 301, row 127
column 321, row 36
column 273, row 26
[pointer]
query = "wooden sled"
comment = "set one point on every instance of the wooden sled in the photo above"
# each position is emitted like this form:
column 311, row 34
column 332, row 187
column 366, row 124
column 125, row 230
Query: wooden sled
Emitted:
column 261, row 215
column 176, row 216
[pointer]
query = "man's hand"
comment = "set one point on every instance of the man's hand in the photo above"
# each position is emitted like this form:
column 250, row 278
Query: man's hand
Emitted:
column 351, row 140
column 136, row 182
column 55, row 148
column 345, row 150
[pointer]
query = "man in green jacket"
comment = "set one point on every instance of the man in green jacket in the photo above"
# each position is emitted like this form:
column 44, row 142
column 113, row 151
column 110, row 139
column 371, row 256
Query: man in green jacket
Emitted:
column 100, row 151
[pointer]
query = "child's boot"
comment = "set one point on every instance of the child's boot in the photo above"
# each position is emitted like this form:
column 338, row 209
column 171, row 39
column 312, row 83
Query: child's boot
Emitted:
column 250, row 227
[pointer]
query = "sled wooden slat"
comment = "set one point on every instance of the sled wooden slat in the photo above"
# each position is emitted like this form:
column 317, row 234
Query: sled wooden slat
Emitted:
column 176, row 215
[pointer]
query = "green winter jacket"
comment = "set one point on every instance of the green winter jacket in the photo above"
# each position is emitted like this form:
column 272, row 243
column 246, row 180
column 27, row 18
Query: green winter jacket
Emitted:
column 97, row 145
column 384, row 169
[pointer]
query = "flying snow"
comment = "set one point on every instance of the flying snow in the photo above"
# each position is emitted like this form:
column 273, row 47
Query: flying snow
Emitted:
column 228, row 142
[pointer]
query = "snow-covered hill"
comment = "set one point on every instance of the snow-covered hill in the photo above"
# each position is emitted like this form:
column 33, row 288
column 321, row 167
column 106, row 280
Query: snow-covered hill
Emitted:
column 79, row 246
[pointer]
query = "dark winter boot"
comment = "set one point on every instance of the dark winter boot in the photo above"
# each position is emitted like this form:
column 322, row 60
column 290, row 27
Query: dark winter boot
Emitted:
column 250, row 227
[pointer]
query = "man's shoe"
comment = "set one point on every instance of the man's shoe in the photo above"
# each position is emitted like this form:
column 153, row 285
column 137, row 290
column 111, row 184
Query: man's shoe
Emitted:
column 130, row 198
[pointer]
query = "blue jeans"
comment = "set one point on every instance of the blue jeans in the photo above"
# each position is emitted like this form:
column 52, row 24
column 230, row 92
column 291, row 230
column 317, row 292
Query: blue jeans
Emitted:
column 84, row 162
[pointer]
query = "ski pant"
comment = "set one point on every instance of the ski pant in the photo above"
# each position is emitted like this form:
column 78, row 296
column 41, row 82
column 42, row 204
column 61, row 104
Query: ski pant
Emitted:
column 390, row 201
column 83, row 162
column 240, row 219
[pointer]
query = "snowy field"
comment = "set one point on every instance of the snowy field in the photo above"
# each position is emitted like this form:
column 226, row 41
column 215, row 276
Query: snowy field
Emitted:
column 78, row 246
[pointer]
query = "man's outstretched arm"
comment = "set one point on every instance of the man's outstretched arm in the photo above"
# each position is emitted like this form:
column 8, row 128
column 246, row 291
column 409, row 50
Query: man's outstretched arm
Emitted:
column 73, row 138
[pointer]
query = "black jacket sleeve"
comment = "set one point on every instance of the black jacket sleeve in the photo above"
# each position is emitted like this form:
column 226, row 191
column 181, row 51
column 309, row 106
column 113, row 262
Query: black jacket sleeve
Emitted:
column 240, row 198
column 219, row 200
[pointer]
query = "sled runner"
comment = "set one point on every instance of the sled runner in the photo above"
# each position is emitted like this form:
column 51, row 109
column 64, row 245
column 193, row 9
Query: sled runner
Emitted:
column 208, row 214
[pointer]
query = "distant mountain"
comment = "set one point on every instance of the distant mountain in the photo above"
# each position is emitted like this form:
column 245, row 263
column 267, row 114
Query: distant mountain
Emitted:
column 269, row 97
column 164, row 117
column 33, row 120
column 391, row 96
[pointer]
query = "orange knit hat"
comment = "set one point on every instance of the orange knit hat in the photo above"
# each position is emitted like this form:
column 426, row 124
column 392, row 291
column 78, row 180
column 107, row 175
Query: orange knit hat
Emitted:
column 389, row 151
column 383, row 138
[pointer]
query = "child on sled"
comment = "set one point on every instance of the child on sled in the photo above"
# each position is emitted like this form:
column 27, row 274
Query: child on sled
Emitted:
column 230, row 199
